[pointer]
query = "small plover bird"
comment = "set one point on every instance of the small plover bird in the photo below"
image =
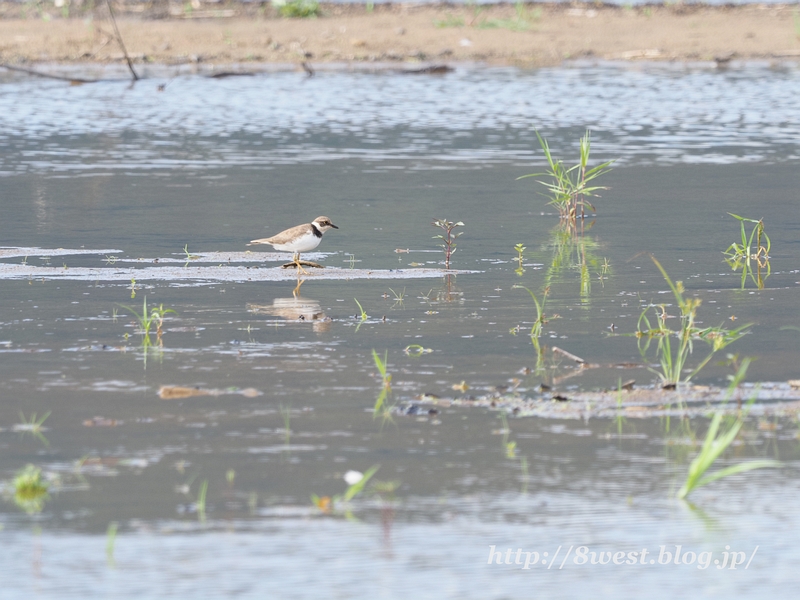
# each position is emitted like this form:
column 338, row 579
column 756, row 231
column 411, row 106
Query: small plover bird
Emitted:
column 302, row 238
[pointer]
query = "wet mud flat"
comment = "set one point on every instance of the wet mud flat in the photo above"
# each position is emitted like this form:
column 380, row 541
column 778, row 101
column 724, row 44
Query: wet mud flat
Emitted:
column 223, row 267
column 768, row 400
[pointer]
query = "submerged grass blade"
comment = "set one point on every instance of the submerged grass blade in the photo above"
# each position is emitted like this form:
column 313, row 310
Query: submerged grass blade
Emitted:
column 714, row 445
column 386, row 380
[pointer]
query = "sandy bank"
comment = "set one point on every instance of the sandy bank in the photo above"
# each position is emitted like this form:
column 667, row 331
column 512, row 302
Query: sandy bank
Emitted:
column 533, row 35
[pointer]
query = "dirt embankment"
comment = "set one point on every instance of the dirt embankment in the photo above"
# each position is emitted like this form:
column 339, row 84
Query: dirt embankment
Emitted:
column 529, row 35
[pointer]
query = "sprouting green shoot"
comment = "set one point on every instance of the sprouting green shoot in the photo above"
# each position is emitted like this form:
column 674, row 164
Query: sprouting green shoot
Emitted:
column 718, row 438
column 34, row 425
column 398, row 298
column 386, row 380
column 673, row 348
column 538, row 324
column 520, row 249
column 752, row 255
column 155, row 316
column 201, row 500
column 380, row 364
column 512, row 451
column 448, row 238
column 111, row 536
column 189, row 255
column 363, row 316
column 145, row 320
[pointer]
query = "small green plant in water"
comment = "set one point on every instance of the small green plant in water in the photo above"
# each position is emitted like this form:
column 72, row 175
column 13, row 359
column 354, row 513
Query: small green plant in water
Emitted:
column 362, row 313
column 189, row 256
column 538, row 324
column 200, row 504
column 520, row 249
column 381, row 403
column 718, row 438
column 297, row 9
column 34, row 426
column 511, row 451
column 399, row 299
column 111, row 536
column 568, row 188
column 30, row 489
column 752, row 255
column 147, row 319
column 448, row 238
column 672, row 354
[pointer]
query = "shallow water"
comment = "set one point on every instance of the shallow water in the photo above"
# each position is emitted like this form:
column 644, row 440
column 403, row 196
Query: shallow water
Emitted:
column 136, row 175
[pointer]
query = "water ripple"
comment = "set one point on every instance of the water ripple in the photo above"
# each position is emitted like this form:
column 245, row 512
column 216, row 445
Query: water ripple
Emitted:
column 642, row 114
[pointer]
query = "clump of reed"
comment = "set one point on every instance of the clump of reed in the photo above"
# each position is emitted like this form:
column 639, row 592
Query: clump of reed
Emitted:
column 30, row 489
column 569, row 188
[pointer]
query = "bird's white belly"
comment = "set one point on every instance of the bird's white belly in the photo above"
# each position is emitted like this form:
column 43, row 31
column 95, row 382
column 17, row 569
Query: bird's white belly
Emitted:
column 305, row 243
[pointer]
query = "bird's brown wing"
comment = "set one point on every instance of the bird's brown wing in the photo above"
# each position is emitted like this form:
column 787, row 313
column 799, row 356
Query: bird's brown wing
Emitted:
column 283, row 236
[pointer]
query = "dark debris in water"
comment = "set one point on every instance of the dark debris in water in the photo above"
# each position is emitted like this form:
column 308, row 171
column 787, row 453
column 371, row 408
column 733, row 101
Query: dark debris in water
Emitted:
column 771, row 399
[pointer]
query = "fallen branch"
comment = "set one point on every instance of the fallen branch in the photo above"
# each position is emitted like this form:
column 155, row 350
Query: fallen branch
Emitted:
column 73, row 80
column 577, row 359
column 121, row 43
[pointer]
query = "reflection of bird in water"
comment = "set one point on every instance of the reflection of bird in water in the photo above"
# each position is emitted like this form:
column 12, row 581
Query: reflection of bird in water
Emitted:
column 296, row 308
column 302, row 238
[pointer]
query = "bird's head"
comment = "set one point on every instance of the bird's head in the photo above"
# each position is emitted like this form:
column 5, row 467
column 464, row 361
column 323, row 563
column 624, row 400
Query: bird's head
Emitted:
column 324, row 224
